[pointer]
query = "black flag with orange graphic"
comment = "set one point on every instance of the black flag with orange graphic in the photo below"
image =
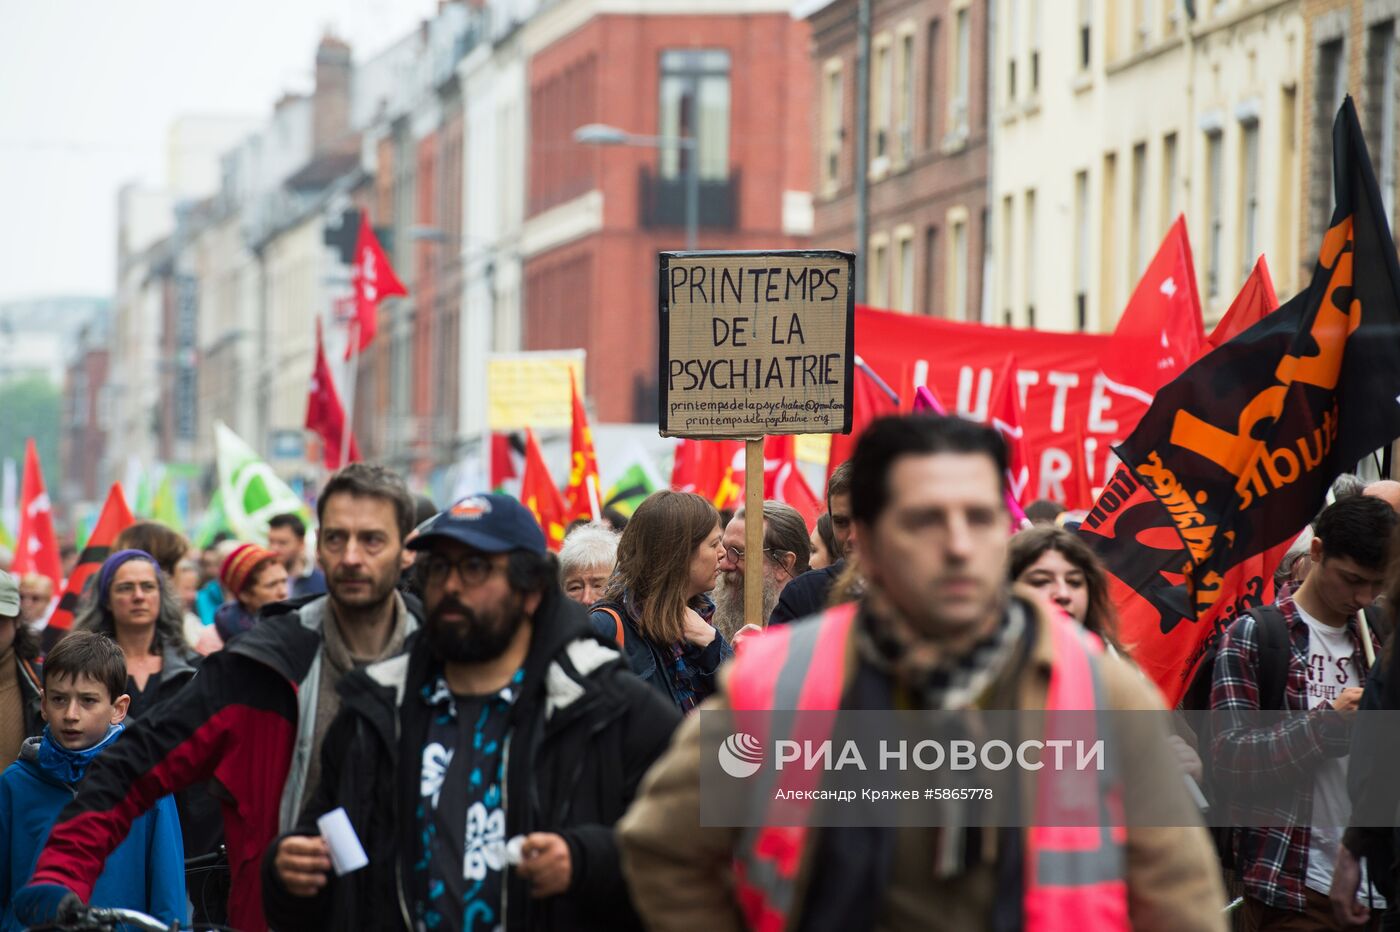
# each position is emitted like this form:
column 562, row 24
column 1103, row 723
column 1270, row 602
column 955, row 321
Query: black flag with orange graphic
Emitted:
column 1235, row 455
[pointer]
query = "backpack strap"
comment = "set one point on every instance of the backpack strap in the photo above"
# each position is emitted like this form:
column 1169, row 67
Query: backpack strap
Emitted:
column 35, row 677
column 1275, row 655
column 619, row 633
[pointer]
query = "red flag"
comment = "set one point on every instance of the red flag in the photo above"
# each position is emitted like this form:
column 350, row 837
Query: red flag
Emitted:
column 582, row 495
column 541, row 495
column 871, row 399
column 1084, row 480
column 1255, row 301
column 324, row 415
column 712, row 468
column 1160, row 333
column 502, row 461
column 114, row 519
column 372, row 278
column 784, row 482
column 36, row 550
column 1004, row 413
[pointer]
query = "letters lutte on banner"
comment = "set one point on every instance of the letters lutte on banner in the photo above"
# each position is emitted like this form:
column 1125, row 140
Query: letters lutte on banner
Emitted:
column 756, row 343
column 1236, row 454
column 1063, row 396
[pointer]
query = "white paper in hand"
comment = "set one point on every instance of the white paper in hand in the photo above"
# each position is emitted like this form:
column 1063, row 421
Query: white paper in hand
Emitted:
column 347, row 854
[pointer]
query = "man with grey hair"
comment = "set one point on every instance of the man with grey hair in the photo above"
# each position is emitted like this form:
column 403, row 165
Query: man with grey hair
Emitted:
column 586, row 562
column 787, row 552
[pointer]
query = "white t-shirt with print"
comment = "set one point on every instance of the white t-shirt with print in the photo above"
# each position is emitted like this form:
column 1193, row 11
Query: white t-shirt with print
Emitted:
column 1330, row 670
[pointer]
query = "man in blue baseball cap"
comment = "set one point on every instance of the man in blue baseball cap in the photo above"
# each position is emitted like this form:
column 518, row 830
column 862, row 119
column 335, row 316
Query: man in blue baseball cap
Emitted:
column 484, row 770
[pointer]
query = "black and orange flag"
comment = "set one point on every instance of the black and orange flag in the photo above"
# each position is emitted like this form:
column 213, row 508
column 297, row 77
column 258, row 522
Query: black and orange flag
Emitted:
column 1235, row 456
column 114, row 519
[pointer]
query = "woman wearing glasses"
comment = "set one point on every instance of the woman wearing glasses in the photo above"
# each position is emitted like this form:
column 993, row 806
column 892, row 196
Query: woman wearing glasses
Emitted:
column 657, row 608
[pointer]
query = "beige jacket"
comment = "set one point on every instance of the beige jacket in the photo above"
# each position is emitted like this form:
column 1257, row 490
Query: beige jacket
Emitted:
column 680, row 873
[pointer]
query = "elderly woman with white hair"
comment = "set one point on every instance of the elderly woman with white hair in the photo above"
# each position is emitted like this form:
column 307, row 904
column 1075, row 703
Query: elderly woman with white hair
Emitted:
column 586, row 562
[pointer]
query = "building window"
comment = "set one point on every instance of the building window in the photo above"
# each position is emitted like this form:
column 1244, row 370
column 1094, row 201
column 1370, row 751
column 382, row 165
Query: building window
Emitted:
column 962, row 73
column 1380, row 108
column 1108, row 239
column 1249, row 194
column 1086, row 33
column 904, row 98
column 1028, row 257
column 1146, row 11
column 931, row 304
column 957, row 267
column 877, row 289
column 1285, row 249
column 1327, row 98
column 1034, row 75
column 1215, row 183
column 1007, row 259
column 1169, row 206
column 1139, row 235
column 1012, row 47
column 833, row 125
column 1081, row 250
column 881, row 122
column 904, row 269
column 931, row 86
column 695, row 103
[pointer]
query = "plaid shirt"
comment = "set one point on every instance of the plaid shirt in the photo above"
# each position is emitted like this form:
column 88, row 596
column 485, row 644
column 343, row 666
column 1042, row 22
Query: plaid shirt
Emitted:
column 1272, row 862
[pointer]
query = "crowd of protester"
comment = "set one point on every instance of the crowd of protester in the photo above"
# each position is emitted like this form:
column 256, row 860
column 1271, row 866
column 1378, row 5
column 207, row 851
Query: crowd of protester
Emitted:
column 509, row 731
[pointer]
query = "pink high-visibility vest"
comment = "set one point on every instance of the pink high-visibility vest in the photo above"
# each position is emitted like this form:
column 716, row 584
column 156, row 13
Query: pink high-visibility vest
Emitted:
column 1075, row 874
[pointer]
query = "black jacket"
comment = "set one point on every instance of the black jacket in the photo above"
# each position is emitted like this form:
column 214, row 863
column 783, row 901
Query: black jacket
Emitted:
column 30, row 676
column 1371, row 770
column 806, row 595
column 651, row 662
column 583, row 732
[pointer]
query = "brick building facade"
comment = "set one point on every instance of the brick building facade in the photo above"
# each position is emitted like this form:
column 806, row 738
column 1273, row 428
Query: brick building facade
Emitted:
column 1350, row 47
column 927, row 149
column 597, row 217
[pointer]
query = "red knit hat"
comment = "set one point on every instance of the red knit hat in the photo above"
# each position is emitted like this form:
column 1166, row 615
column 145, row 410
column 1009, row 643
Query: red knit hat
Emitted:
column 237, row 569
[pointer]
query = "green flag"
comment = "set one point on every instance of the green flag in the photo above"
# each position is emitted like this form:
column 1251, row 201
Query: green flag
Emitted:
column 6, row 540
column 213, row 521
column 631, row 488
column 252, row 492
column 163, row 505
column 143, row 507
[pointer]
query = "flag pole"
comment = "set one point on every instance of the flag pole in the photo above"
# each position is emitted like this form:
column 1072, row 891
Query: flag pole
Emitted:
column 348, row 428
column 593, row 504
column 753, row 533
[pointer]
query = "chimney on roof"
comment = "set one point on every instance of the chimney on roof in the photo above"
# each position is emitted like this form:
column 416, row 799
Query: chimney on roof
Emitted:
column 330, row 102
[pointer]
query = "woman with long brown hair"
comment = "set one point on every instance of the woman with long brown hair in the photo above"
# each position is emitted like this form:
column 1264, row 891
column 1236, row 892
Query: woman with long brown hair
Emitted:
column 656, row 607
column 1063, row 569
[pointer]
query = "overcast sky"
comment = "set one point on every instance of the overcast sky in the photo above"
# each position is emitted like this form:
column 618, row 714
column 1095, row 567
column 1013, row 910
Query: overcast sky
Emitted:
column 90, row 88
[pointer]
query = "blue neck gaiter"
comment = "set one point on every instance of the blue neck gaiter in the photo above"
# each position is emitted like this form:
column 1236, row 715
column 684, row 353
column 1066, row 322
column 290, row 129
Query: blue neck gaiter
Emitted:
column 69, row 766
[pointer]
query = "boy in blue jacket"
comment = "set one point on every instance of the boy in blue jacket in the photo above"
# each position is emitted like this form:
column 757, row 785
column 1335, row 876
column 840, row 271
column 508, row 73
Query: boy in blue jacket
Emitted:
column 84, row 704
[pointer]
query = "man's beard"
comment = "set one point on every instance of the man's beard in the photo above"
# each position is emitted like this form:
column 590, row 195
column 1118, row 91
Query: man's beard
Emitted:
column 477, row 638
column 729, row 602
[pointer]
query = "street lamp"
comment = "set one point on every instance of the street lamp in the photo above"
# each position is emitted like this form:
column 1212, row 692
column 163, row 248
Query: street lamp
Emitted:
column 601, row 134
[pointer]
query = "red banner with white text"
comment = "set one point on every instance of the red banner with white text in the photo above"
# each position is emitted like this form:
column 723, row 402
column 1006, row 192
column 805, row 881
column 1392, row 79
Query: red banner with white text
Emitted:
column 1063, row 395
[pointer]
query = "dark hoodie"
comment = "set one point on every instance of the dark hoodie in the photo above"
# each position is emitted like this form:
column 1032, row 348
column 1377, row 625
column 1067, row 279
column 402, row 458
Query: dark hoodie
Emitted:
column 582, row 733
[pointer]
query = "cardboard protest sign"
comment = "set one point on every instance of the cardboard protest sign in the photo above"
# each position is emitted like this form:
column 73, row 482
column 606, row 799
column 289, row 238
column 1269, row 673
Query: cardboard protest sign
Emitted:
column 756, row 343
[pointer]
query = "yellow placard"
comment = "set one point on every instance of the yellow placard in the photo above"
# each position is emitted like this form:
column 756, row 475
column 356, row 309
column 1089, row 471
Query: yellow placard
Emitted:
column 755, row 343
column 531, row 389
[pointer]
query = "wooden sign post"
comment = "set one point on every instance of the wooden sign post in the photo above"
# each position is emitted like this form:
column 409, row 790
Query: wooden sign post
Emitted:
column 751, row 344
